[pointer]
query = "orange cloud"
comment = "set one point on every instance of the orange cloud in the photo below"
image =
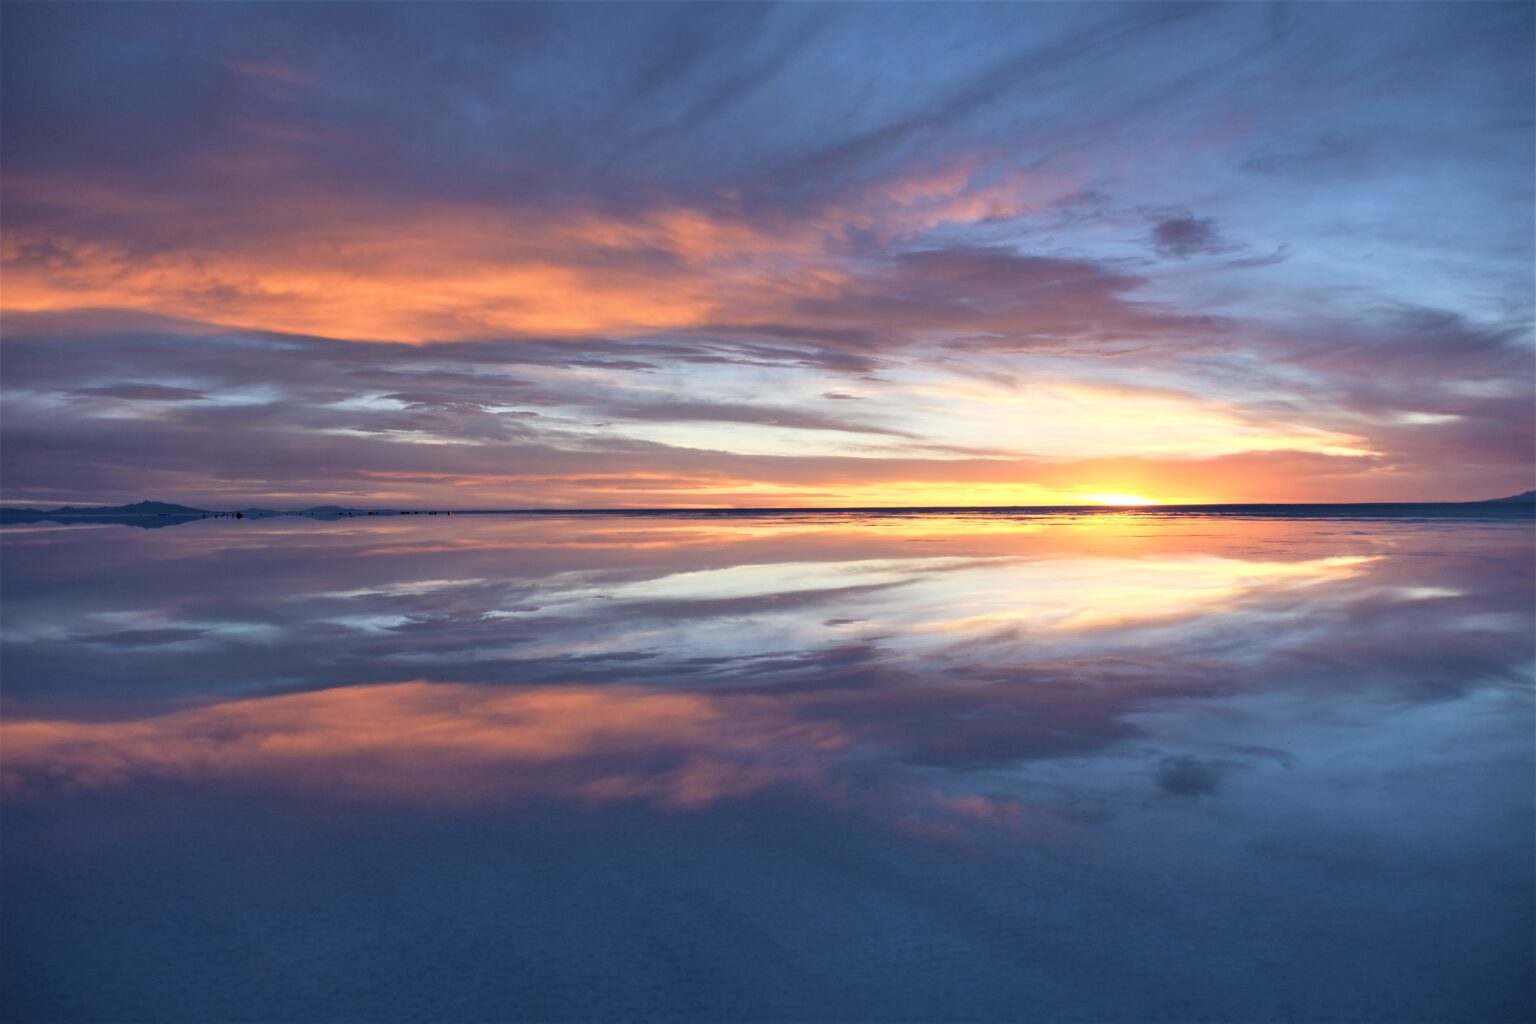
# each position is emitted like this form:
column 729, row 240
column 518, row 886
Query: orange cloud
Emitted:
column 348, row 268
column 406, row 279
column 341, row 266
column 441, row 742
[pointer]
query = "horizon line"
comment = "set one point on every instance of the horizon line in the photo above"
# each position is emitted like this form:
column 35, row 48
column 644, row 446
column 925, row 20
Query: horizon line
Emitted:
column 532, row 510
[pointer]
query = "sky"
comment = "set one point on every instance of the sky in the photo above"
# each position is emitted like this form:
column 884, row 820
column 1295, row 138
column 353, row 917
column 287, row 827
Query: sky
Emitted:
column 498, row 255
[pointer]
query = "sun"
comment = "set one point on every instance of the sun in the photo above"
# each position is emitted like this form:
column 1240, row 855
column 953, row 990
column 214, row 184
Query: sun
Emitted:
column 1120, row 499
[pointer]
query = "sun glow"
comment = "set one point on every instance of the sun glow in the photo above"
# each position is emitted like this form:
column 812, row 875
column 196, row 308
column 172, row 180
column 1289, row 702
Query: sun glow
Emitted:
column 1120, row 499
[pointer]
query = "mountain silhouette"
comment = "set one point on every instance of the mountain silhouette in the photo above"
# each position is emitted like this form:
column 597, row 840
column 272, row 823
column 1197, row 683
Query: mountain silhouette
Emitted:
column 138, row 508
column 147, row 514
column 155, row 514
column 1527, row 498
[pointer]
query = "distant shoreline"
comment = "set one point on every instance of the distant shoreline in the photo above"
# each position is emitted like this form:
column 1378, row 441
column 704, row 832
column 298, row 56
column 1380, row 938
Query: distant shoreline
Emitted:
column 130, row 515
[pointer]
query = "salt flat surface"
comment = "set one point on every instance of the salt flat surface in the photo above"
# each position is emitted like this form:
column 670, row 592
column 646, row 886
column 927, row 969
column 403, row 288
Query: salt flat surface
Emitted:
column 845, row 768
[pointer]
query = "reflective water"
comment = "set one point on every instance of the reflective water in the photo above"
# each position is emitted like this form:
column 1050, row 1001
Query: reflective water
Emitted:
column 840, row 768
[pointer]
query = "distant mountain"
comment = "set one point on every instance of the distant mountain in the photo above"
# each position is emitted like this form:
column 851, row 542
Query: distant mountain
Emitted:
column 1528, row 498
column 140, row 511
column 138, row 508
column 147, row 515
column 153, row 514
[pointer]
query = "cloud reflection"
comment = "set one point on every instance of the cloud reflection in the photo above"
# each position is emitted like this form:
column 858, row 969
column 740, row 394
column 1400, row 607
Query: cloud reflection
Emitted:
column 681, row 663
column 1108, row 767
column 446, row 742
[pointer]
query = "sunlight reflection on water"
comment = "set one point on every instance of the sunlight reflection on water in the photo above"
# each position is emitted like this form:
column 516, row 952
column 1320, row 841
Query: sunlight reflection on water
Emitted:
column 1058, row 768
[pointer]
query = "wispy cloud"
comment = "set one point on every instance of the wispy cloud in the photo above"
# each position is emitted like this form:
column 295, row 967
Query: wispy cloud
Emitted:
column 653, row 244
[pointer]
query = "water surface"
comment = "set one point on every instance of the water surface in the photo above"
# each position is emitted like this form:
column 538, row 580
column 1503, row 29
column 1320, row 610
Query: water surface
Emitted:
column 835, row 768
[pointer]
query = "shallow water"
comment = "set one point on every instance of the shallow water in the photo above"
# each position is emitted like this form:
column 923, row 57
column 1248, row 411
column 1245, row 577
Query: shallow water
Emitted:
column 835, row 768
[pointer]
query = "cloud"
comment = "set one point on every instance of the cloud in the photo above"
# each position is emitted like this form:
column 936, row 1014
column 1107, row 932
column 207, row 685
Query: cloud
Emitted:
column 139, row 637
column 1186, row 236
column 1190, row 776
column 994, row 298
column 712, row 412
column 646, row 245
column 142, row 393
column 544, row 742
column 682, row 663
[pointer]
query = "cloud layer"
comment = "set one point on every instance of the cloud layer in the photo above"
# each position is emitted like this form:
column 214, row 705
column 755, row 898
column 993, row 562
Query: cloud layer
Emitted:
column 596, row 255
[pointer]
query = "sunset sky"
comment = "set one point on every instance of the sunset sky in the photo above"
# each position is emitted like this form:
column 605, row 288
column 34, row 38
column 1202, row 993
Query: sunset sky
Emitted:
column 492, row 255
